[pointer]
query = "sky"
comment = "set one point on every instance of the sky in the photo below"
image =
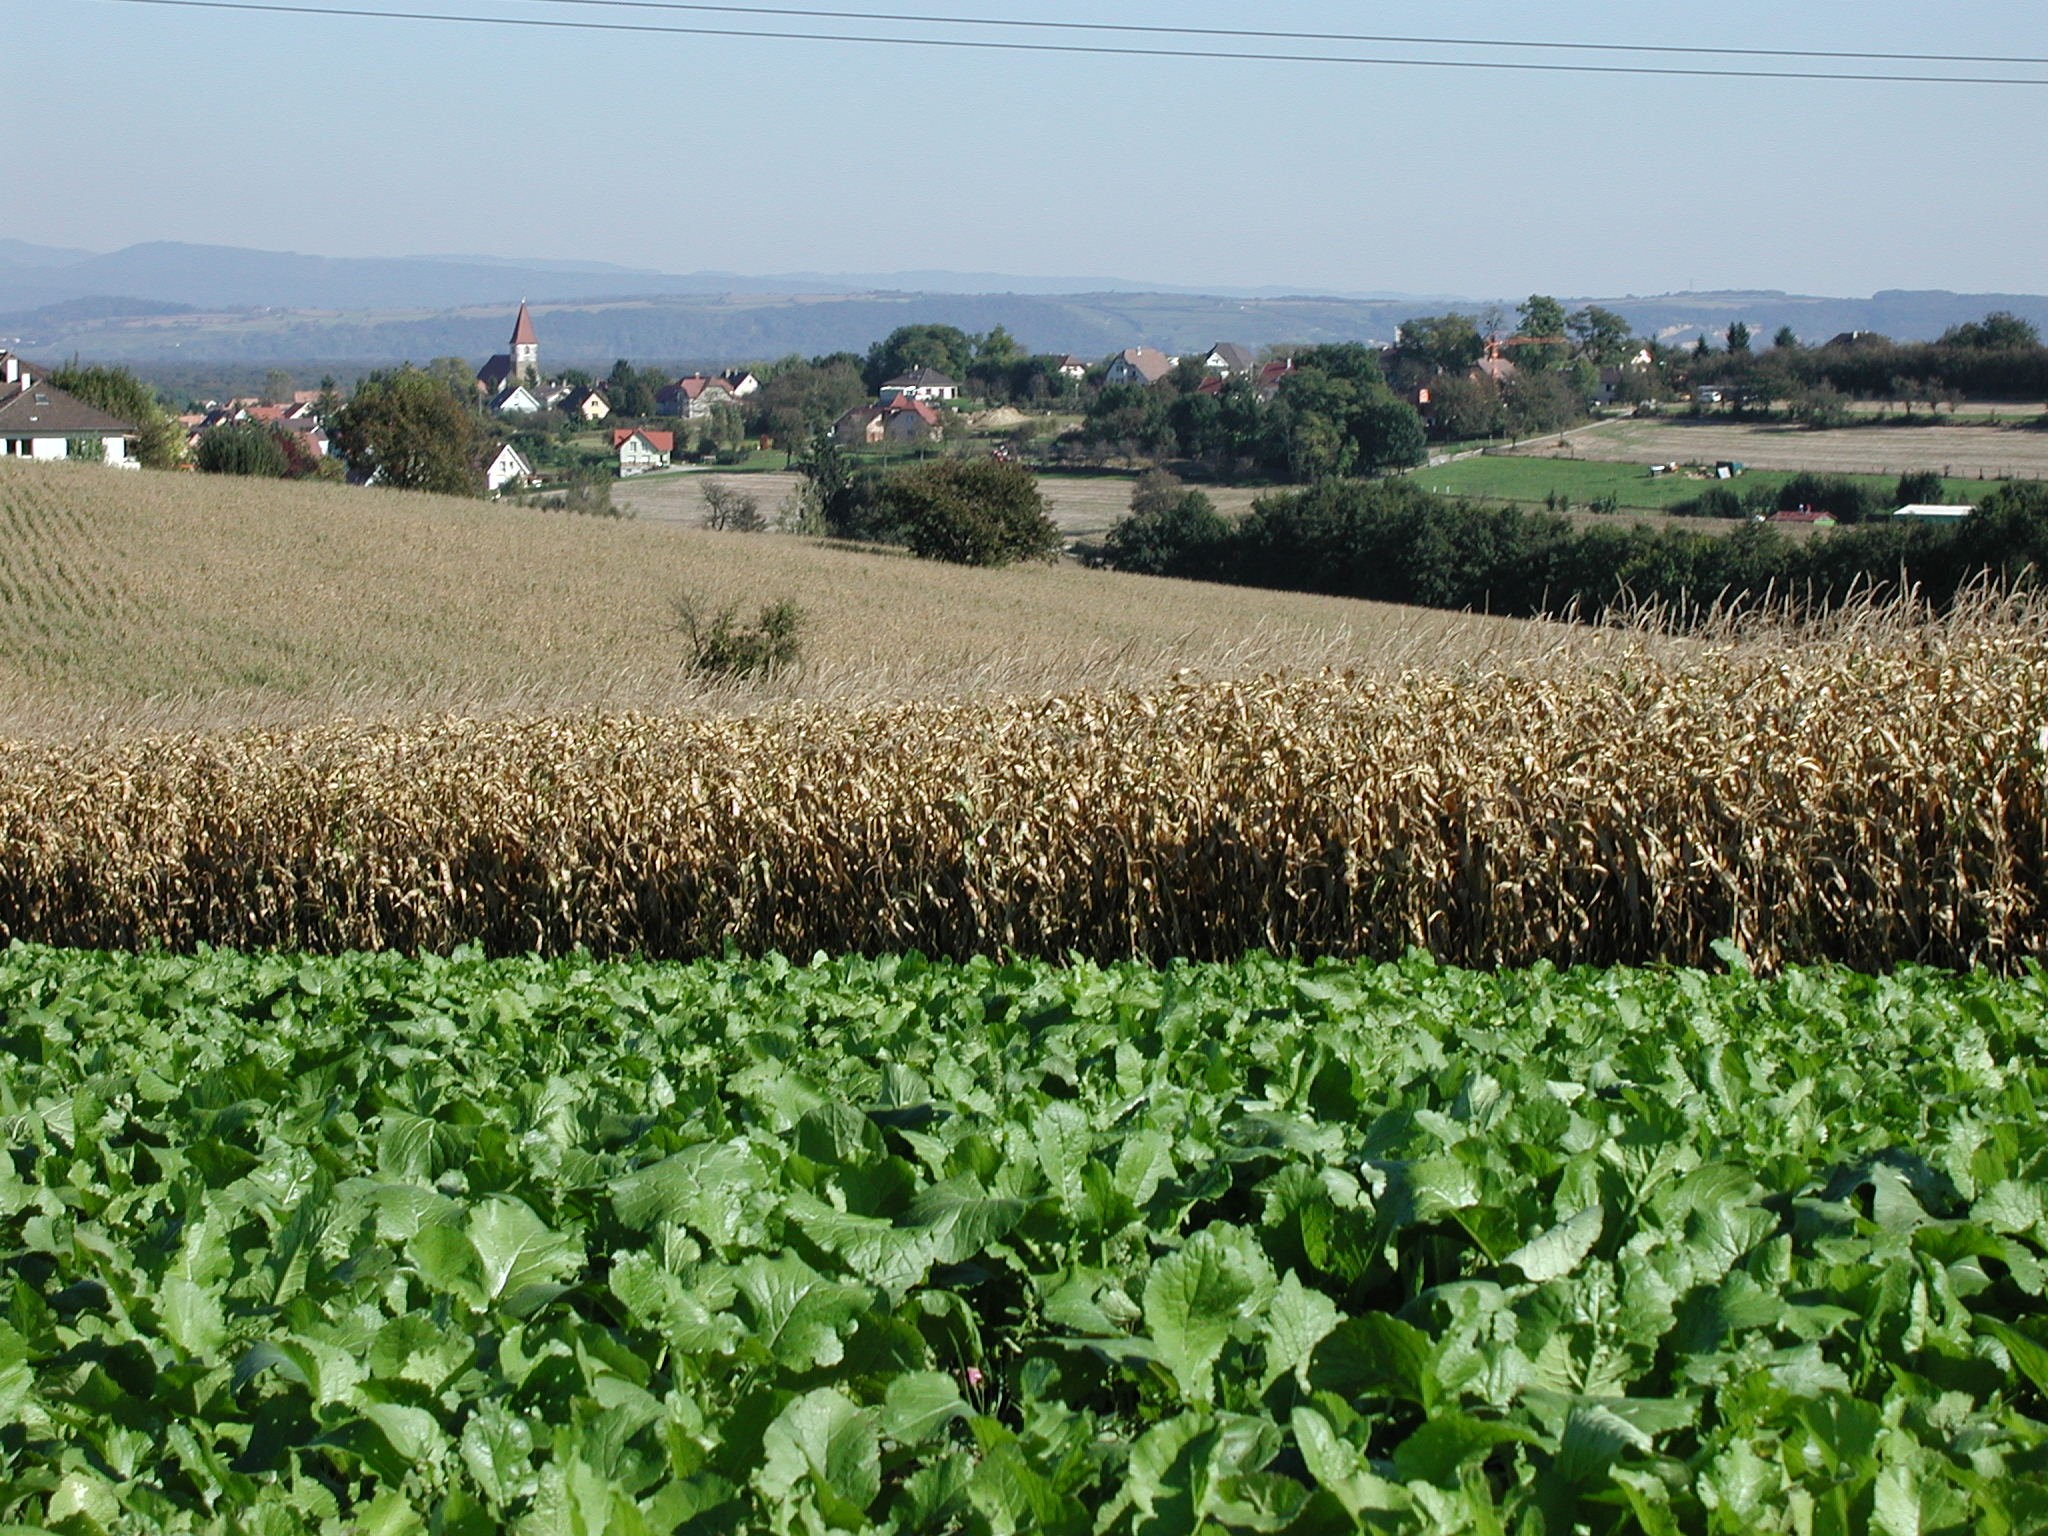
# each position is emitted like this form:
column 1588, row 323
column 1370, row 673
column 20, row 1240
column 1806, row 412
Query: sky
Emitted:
column 349, row 136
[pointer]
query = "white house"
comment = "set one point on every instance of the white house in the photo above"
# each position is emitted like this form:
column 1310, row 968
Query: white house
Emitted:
column 926, row 384
column 505, row 468
column 1071, row 367
column 516, row 401
column 1138, row 365
column 640, row 449
column 1230, row 360
column 742, row 384
column 1934, row 512
column 40, row 421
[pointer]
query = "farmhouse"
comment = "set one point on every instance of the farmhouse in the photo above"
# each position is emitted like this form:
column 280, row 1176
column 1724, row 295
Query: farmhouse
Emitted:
column 640, row 449
column 1071, row 367
column 902, row 420
column 40, row 421
column 1138, row 365
column 694, row 397
column 919, row 384
column 506, row 467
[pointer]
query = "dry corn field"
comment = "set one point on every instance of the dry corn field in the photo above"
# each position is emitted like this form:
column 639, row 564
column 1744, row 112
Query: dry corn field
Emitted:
column 162, row 601
column 1870, row 798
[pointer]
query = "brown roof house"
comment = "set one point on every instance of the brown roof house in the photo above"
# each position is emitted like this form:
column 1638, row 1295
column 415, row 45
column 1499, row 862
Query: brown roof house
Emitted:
column 40, row 421
column 1138, row 365
column 693, row 398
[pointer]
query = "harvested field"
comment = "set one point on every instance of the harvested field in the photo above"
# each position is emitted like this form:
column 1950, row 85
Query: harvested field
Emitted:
column 1084, row 506
column 1870, row 798
column 157, row 601
column 1979, row 453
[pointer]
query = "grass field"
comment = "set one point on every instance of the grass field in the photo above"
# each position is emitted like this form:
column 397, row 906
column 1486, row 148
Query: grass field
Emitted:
column 206, row 599
column 1527, row 480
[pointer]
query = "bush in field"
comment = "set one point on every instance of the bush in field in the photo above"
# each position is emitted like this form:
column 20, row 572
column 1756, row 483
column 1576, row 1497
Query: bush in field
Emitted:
column 719, row 645
column 1171, row 530
column 409, row 431
column 972, row 512
column 1922, row 487
column 731, row 511
column 1837, row 495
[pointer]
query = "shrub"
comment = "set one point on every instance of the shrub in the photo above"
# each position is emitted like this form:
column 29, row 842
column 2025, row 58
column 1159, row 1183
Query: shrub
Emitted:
column 731, row 511
column 972, row 512
column 719, row 645
column 1923, row 487
column 241, row 448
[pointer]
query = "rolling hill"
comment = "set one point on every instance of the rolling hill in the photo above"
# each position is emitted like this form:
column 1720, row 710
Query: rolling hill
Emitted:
column 163, row 599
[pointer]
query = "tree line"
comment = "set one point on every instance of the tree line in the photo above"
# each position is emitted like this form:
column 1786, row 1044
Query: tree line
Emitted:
column 1392, row 541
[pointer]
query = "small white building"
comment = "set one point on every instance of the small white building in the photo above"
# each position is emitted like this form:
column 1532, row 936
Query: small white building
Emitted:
column 742, row 384
column 1937, row 512
column 506, row 467
column 40, row 421
column 516, row 401
column 1230, row 360
column 926, row 384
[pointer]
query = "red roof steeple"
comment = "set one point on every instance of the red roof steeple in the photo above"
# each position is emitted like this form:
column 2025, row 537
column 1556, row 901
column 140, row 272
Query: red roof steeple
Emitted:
column 522, row 332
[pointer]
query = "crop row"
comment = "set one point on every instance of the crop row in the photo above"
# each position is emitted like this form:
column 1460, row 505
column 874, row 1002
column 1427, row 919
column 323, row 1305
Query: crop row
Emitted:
column 466, row 1246
column 1867, row 804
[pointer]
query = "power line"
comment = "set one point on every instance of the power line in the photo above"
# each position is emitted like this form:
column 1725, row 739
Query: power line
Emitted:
column 1246, row 34
column 992, row 45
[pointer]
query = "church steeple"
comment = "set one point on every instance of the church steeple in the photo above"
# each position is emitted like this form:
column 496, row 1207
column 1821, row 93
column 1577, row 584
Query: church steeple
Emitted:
column 525, row 349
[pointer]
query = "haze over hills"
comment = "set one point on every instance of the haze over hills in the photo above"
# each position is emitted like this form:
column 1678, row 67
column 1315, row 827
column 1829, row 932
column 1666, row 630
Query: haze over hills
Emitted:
column 165, row 302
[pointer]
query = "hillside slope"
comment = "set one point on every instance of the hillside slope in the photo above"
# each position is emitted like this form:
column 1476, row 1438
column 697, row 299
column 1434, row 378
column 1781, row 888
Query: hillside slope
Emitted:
column 175, row 598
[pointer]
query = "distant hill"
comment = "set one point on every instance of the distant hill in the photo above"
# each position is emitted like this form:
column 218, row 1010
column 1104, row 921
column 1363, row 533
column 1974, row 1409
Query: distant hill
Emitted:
column 167, row 302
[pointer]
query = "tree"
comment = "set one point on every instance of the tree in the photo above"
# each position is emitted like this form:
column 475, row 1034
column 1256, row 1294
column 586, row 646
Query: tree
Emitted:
column 454, row 373
column 1738, row 337
column 278, row 387
column 159, row 439
column 803, row 398
column 1171, row 531
column 997, row 350
column 1787, row 339
column 944, row 347
column 1601, row 336
column 2000, row 330
column 1921, row 487
column 629, row 391
column 1442, row 343
column 410, row 432
column 1467, row 408
column 972, row 512
column 1541, row 315
column 240, row 448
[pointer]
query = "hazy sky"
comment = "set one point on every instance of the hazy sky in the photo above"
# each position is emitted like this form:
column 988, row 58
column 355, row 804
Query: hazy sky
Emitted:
column 348, row 136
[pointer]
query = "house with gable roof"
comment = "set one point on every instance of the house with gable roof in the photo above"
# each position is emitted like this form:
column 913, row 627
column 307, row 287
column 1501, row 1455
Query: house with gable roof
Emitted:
column 1138, row 365
column 640, row 449
column 506, row 467
column 40, row 421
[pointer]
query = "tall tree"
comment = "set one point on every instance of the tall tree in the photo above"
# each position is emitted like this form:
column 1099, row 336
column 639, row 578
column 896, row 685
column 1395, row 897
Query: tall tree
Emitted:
column 1787, row 339
column 411, row 432
column 1601, row 336
column 1738, row 337
column 947, row 348
column 2001, row 329
column 1443, row 343
column 1543, row 332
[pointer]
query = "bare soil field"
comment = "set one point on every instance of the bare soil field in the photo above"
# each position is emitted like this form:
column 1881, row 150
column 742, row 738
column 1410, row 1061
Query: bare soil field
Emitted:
column 1084, row 506
column 1983, row 453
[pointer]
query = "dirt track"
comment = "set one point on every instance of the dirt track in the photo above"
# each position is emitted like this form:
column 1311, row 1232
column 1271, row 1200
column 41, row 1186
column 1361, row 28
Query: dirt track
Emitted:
column 1982, row 453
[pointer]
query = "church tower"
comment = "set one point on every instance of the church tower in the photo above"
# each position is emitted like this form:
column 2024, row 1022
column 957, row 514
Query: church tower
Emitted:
column 525, row 349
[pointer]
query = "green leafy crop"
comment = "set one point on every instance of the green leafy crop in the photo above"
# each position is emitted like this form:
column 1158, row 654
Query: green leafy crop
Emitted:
column 454, row 1246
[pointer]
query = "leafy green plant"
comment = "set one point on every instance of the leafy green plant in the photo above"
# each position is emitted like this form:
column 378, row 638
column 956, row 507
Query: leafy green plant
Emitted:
column 370, row 1242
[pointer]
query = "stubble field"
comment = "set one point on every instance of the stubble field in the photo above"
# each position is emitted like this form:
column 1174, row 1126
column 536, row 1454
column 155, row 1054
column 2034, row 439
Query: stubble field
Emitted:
column 1967, row 452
